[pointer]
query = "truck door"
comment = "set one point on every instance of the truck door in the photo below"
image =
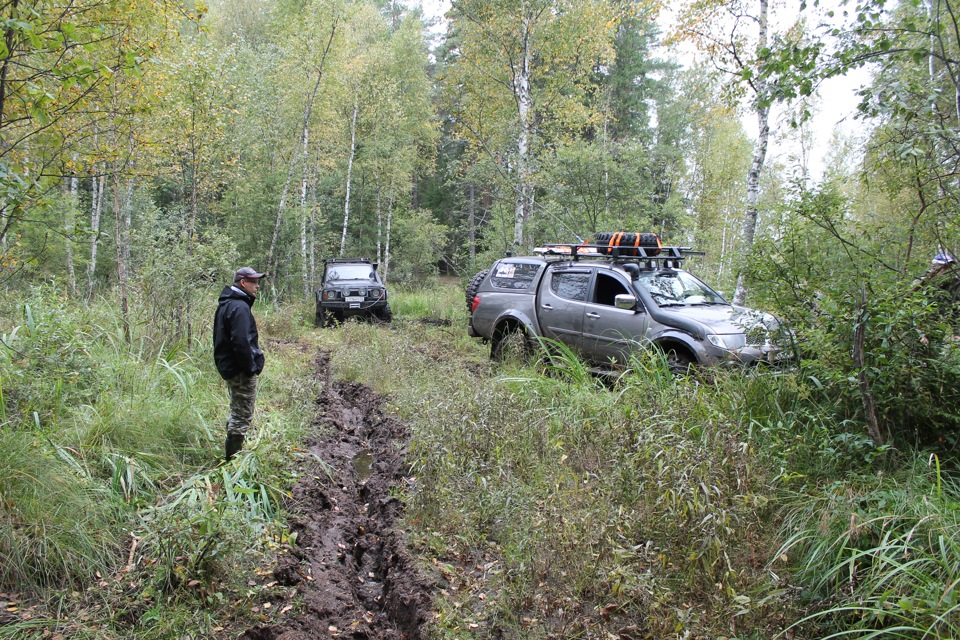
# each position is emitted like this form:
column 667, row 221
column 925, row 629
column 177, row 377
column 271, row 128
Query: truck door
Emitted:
column 611, row 334
column 561, row 302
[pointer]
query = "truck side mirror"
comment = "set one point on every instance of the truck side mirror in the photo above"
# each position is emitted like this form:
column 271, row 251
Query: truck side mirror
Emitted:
column 625, row 301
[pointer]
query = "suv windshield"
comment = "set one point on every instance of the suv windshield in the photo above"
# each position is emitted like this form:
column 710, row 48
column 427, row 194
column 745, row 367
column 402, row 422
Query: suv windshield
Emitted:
column 677, row 288
column 350, row 272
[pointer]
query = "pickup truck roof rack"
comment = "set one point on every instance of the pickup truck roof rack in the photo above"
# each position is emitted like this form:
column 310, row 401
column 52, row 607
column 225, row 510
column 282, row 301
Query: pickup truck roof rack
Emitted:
column 669, row 256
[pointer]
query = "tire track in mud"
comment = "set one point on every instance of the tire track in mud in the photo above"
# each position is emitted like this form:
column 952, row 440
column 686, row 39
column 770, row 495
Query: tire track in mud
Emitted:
column 349, row 563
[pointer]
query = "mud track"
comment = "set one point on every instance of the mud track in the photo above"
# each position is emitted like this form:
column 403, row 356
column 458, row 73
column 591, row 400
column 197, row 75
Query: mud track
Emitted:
column 349, row 564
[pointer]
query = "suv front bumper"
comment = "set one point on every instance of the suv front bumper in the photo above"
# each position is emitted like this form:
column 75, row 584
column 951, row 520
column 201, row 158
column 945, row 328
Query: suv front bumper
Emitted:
column 348, row 309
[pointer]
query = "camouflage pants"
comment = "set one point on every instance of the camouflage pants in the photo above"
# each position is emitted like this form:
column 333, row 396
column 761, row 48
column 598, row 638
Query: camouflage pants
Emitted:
column 243, row 396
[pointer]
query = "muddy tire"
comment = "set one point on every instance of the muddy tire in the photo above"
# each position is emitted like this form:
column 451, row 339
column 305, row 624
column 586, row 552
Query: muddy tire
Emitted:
column 472, row 287
column 383, row 315
column 322, row 320
column 679, row 362
column 511, row 343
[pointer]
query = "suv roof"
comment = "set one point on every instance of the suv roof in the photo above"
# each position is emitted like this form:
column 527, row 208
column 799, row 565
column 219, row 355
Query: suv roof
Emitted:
column 348, row 260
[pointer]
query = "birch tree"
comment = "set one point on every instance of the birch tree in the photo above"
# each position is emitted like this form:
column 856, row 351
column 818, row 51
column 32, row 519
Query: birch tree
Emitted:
column 328, row 17
column 518, row 80
column 55, row 59
column 735, row 35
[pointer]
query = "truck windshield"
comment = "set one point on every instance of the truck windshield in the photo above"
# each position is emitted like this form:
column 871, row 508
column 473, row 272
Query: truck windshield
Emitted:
column 350, row 272
column 677, row 288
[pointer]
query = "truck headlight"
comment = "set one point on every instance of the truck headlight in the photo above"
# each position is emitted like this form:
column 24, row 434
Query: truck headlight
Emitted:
column 726, row 341
column 331, row 294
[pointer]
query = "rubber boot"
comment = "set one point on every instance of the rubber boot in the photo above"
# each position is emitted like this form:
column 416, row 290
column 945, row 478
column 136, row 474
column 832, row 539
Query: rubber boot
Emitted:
column 233, row 445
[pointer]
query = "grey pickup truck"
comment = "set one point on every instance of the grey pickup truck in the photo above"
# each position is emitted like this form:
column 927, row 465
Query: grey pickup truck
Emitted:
column 604, row 301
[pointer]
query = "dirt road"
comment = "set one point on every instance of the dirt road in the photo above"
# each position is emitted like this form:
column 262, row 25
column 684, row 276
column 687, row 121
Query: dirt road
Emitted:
column 349, row 564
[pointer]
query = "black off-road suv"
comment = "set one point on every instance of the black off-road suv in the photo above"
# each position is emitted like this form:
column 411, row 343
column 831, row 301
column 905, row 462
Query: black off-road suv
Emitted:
column 351, row 287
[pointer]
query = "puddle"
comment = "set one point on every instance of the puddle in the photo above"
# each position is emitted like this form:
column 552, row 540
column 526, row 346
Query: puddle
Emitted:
column 362, row 463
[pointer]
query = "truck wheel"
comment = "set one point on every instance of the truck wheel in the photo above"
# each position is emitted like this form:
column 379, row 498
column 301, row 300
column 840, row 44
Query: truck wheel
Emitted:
column 510, row 342
column 679, row 362
column 384, row 315
column 326, row 318
column 472, row 287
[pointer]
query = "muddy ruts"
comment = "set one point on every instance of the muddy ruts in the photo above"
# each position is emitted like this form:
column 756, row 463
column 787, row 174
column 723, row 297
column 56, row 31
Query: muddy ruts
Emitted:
column 349, row 563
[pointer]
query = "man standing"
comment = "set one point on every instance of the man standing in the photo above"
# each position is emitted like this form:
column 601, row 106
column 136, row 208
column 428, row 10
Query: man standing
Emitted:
column 237, row 352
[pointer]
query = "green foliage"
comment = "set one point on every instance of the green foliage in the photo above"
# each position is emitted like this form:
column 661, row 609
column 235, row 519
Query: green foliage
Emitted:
column 417, row 253
column 877, row 554
column 573, row 494
column 95, row 429
column 46, row 360
column 58, row 524
column 199, row 530
column 820, row 272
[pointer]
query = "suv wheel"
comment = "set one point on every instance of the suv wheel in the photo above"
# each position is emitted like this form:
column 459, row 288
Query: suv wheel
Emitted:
column 510, row 342
column 384, row 315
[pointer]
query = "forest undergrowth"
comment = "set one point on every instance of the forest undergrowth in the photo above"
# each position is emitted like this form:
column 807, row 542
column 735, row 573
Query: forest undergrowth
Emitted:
column 543, row 501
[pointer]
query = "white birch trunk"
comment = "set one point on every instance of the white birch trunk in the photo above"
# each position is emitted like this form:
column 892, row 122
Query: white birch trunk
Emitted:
column 346, row 200
column 524, row 110
column 71, row 223
column 379, row 224
column 308, row 109
column 749, row 229
column 303, row 217
column 96, row 203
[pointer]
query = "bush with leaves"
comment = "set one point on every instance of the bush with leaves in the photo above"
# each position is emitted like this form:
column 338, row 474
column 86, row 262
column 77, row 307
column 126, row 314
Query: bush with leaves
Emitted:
column 825, row 285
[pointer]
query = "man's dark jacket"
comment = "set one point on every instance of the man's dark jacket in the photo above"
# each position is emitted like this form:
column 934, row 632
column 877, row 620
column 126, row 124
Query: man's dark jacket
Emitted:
column 235, row 338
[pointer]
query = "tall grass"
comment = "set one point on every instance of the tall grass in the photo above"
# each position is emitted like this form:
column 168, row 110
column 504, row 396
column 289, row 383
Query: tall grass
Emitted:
column 110, row 453
column 439, row 303
column 557, row 504
column 878, row 555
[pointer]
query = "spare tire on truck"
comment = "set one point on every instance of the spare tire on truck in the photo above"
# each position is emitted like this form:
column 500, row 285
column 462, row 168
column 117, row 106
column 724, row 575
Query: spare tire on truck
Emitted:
column 628, row 244
column 472, row 287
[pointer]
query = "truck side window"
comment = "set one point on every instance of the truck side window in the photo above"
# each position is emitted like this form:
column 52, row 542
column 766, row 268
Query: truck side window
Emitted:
column 571, row 285
column 607, row 289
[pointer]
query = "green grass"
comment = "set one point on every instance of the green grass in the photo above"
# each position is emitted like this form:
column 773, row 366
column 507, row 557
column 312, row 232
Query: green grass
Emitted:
column 590, row 505
column 111, row 451
column 437, row 302
column 545, row 501
column 878, row 556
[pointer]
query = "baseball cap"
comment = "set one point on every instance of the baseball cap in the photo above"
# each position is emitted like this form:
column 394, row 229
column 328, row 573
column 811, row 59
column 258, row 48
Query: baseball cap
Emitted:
column 247, row 273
